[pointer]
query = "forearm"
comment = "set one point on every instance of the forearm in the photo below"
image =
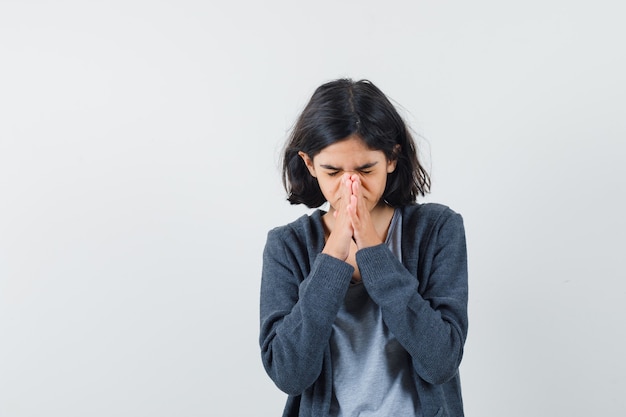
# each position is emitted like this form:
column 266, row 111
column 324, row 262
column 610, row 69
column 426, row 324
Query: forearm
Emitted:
column 296, row 320
column 431, row 330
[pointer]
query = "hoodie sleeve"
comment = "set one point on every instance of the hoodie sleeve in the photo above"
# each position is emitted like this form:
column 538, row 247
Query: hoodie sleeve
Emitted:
column 297, row 310
column 429, row 318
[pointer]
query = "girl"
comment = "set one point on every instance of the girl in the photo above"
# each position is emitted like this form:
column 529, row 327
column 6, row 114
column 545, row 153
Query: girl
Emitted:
column 363, row 307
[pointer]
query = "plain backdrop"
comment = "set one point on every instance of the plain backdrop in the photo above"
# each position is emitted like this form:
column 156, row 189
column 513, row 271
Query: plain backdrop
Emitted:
column 139, row 174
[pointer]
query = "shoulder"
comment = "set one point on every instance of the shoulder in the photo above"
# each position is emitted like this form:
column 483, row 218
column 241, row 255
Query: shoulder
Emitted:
column 430, row 213
column 299, row 229
column 424, row 222
column 428, row 228
column 299, row 241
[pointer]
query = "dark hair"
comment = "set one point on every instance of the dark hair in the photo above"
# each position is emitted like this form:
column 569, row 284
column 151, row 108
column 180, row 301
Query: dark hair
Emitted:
column 342, row 108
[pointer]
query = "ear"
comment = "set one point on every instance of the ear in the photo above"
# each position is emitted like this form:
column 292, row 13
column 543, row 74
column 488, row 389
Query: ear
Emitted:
column 308, row 162
column 393, row 162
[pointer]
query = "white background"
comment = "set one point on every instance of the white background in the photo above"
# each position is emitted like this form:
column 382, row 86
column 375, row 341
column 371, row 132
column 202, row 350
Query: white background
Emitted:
column 139, row 175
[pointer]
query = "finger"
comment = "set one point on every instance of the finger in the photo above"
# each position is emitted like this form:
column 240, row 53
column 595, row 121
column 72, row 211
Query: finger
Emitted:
column 355, row 180
column 355, row 187
column 357, row 191
column 346, row 188
column 341, row 200
column 352, row 211
column 354, row 201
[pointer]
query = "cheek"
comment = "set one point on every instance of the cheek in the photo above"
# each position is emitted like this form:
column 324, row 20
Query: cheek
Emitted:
column 374, row 185
column 368, row 182
column 329, row 188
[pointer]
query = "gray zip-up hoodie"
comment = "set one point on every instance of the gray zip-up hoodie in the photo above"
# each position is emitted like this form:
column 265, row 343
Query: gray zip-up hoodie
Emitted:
column 423, row 302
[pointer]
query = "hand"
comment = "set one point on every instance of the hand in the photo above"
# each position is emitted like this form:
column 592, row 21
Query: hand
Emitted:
column 364, row 232
column 341, row 237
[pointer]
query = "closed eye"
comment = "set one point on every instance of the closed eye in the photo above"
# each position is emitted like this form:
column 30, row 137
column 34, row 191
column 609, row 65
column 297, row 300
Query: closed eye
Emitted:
column 364, row 169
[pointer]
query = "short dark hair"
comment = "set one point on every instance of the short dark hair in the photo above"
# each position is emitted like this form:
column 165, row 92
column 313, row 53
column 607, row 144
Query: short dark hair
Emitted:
column 337, row 110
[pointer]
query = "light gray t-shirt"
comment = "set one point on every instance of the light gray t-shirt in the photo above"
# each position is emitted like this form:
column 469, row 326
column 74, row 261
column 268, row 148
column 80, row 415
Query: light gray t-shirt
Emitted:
column 372, row 372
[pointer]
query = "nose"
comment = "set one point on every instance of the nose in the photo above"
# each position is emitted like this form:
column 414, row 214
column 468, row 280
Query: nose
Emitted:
column 347, row 175
column 353, row 176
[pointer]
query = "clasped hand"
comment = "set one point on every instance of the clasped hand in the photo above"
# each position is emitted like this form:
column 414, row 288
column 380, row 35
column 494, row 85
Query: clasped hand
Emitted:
column 352, row 220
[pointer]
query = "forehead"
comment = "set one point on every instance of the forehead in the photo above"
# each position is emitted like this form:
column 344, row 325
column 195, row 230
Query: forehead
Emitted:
column 350, row 151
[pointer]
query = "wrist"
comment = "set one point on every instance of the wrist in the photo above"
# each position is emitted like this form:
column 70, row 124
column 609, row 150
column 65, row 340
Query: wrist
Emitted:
column 368, row 241
column 342, row 255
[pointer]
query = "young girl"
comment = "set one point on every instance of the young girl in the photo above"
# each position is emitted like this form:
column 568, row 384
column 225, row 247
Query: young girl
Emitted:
column 363, row 307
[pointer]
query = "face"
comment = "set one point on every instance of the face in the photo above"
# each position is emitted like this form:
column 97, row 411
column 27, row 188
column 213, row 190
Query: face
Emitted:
column 350, row 156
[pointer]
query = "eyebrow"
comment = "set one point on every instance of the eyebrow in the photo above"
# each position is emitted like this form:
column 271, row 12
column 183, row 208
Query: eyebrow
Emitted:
column 359, row 168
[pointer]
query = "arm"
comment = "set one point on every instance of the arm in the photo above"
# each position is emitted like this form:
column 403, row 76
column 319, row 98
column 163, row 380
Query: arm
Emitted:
column 431, row 323
column 297, row 314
